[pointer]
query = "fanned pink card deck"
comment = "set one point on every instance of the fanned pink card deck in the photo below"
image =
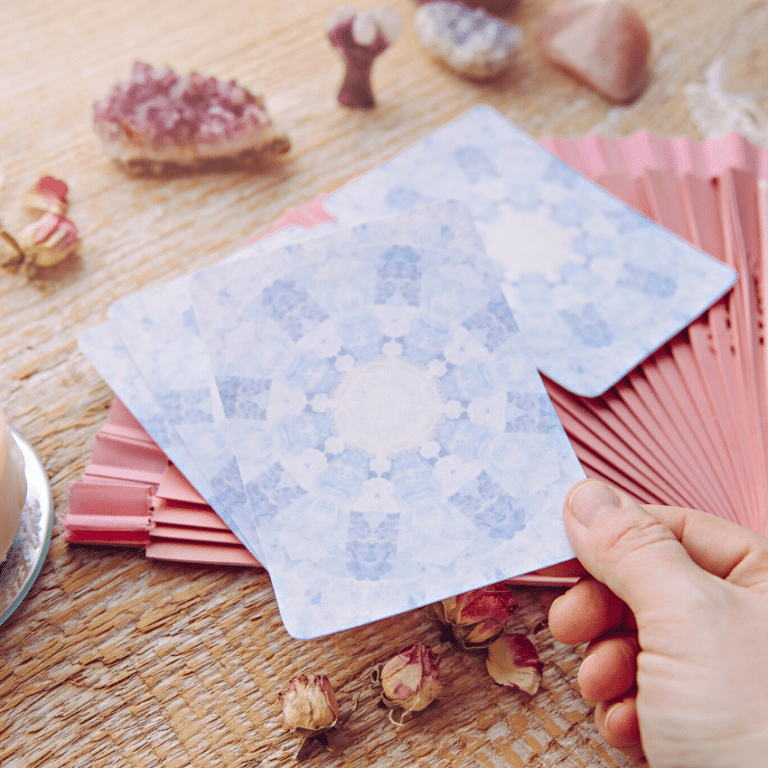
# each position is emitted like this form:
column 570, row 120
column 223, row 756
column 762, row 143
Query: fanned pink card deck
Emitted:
column 689, row 426
column 131, row 495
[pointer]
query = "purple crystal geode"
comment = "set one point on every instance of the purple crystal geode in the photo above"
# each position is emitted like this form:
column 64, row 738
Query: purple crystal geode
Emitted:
column 158, row 119
column 469, row 41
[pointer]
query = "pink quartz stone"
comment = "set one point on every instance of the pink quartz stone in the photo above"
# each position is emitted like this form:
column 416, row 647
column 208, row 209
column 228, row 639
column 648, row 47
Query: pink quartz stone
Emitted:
column 605, row 43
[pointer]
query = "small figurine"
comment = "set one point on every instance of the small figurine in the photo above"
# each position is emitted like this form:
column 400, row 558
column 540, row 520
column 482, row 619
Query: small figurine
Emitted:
column 359, row 39
column 471, row 42
column 157, row 120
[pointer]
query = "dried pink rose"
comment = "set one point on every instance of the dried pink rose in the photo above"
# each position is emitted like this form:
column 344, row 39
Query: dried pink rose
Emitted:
column 49, row 240
column 310, row 705
column 513, row 661
column 478, row 617
column 13, row 257
column 360, row 38
column 158, row 119
column 411, row 680
column 48, row 194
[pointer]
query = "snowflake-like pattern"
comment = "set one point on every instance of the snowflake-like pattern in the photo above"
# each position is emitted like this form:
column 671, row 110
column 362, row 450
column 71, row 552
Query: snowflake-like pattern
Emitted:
column 395, row 440
column 386, row 407
column 610, row 284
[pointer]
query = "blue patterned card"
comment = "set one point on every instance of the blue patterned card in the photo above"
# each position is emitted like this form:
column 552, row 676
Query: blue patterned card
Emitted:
column 595, row 286
column 153, row 337
column 111, row 357
column 395, row 440
column 157, row 330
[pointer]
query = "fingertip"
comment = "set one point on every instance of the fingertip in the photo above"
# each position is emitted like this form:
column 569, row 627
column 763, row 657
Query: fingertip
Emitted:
column 617, row 722
column 586, row 611
column 589, row 500
column 624, row 547
column 609, row 669
column 557, row 616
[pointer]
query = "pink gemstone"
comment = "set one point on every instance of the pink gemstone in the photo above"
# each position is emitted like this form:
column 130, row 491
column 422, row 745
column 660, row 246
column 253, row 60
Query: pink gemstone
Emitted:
column 159, row 117
column 605, row 43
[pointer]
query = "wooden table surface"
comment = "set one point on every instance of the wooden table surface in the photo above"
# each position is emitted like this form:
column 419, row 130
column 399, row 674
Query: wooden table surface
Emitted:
column 113, row 660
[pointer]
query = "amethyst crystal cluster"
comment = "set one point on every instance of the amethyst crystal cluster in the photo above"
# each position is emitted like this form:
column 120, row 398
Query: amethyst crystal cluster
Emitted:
column 157, row 118
column 471, row 42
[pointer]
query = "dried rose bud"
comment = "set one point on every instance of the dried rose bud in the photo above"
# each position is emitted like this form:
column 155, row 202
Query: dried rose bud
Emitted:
column 49, row 194
column 478, row 617
column 513, row 661
column 10, row 251
column 411, row 680
column 309, row 706
column 49, row 240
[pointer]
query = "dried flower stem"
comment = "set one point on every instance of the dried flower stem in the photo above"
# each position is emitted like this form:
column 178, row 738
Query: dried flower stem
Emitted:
column 14, row 262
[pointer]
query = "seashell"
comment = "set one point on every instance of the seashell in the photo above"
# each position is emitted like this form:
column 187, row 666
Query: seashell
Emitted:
column 469, row 41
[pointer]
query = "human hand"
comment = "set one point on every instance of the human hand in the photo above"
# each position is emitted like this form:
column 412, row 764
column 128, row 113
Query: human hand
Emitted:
column 676, row 618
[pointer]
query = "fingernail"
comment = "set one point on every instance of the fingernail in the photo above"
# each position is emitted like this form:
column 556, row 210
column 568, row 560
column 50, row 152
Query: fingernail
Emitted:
column 591, row 500
column 611, row 714
column 621, row 723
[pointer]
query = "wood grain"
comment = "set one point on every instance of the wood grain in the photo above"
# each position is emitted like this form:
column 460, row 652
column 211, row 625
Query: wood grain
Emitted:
column 116, row 661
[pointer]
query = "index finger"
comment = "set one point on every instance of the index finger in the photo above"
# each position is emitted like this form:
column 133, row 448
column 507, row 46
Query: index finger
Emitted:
column 725, row 549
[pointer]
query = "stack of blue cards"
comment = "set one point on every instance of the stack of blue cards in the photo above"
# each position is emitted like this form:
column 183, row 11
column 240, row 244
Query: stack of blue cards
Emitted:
column 361, row 403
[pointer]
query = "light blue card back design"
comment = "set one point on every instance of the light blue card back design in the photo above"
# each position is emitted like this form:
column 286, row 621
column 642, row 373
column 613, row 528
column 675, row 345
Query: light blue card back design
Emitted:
column 595, row 286
column 518, row 193
column 395, row 440
column 158, row 331
column 104, row 347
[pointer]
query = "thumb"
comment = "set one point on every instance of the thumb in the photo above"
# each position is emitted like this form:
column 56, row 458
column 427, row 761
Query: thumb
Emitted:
column 633, row 553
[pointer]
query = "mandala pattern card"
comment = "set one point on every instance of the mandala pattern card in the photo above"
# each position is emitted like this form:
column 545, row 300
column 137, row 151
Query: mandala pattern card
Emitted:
column 569, row 322
column 112, row 358
column 157, row 328
column 595, row 286
column 395, row 440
